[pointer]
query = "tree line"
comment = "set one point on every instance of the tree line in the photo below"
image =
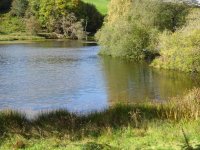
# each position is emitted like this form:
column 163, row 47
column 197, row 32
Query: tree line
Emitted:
column 66, row 18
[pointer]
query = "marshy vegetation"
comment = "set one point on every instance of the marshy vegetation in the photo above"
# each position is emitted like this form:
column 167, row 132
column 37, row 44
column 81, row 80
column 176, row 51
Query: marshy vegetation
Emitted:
column 133, row 121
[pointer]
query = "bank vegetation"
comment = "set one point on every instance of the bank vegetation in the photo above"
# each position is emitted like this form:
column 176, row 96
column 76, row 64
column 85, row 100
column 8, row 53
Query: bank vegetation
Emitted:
column 167, row 33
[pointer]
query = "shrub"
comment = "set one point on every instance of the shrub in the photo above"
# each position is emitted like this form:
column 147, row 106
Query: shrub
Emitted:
column 181, row 50
column 132, row 27
column 11, row 24
column 32, row 25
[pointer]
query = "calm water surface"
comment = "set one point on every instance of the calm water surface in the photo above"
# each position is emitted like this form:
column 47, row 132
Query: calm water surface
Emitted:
column 70, row 75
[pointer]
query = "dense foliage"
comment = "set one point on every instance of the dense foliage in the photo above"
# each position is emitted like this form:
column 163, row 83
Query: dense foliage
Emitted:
column 181, row 50
column 141, row 29
column 132, row 27
column 65, row 18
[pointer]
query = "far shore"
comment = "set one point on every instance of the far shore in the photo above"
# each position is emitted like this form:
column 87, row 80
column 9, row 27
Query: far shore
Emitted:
column 27, row 38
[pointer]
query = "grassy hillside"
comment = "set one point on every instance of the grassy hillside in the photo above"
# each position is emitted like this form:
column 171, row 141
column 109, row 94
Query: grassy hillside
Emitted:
column 101, row 5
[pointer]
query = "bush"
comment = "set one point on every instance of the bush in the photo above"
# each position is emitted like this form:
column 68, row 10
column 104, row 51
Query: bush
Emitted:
column 132, row 27
column 51, row 11
column 19, row 7
column 32, row 25
column 126, row 40
column 11, row 24
column 70, row 27
column 181, row 50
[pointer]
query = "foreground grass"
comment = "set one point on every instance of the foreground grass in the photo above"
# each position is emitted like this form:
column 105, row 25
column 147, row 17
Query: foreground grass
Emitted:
column 172, row 125
column 159, row 135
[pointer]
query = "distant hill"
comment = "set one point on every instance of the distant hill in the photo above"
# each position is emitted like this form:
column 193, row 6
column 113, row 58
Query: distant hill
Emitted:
column 101, row 5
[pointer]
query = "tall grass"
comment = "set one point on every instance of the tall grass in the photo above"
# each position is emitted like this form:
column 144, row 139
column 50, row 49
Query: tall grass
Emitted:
column 62, row 123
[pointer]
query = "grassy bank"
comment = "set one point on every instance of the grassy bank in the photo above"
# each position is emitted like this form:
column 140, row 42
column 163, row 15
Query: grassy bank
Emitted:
column 170, row 125
column 19, row 36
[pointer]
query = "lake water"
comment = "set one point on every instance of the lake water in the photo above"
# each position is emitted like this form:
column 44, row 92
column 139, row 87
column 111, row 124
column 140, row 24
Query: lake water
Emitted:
column 50, row 75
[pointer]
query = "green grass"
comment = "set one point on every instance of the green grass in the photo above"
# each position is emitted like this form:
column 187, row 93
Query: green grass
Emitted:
column 171, row 125
column 101, row 5
column 165, row 136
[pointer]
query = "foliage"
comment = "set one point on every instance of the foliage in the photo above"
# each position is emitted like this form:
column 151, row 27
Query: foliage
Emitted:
column 53, row 16
column 19, row 7
column 10, row 24
column 171, row 16
column 70, row 27
column 50, row 12
column 132, row 27
column 32, row 25
column 181, row 50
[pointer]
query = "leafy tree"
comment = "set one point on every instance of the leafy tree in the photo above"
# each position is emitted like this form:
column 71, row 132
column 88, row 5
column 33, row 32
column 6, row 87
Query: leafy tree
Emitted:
column 171, row 16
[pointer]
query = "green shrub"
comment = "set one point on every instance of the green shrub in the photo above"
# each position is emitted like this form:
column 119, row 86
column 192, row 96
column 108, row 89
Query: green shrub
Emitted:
column 19, row 7
column 181, row 50
column 11, row 24
column 132, row 27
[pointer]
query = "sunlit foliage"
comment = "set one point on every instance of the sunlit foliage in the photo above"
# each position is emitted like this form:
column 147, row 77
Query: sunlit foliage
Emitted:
column 181, row 50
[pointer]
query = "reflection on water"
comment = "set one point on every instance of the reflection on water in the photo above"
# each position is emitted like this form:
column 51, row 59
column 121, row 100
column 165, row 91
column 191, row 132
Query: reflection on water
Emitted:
column 136, row 82
column 69, row 74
